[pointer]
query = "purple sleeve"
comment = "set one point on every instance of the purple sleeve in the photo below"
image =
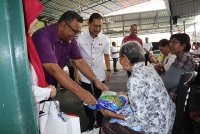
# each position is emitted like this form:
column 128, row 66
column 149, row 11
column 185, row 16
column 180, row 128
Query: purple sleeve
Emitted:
column 44, row 47
column 75, row 54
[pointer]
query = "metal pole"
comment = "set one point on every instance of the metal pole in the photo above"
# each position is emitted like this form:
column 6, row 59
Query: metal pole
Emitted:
column 195, row 34
column 171, row 25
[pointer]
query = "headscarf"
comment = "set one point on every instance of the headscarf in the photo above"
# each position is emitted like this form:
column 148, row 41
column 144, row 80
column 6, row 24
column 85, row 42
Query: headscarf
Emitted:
column 32, row 9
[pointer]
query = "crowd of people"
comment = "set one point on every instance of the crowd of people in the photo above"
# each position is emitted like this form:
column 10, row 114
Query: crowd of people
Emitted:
column 151, row 88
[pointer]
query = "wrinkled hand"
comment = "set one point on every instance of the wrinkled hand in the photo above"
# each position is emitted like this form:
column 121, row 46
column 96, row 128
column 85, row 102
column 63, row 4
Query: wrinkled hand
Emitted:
column 101, row 85
column 53, row 90
column 108, row 113
column 87, row 97
column 108, row 75
column 122, row 93
column 77, row 78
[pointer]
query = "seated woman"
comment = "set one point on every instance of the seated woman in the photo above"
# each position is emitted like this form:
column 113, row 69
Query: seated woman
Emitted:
column 184, row 62
column 163, row 46
column 149, row 100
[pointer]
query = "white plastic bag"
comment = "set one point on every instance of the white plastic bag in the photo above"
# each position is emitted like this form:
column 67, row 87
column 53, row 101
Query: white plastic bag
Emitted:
column 53, row 121
column 73, row 124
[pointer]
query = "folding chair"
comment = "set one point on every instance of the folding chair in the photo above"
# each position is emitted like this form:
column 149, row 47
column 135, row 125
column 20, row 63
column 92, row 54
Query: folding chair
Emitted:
column 182, row 122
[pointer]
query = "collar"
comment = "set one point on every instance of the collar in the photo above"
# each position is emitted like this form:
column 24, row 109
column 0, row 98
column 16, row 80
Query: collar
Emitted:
column 135, row 36
column 138, row 65
column 55, row 33
column 89, row 35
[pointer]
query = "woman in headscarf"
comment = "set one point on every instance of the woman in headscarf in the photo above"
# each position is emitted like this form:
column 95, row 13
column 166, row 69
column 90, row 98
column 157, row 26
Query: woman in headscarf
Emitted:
column 41, row 90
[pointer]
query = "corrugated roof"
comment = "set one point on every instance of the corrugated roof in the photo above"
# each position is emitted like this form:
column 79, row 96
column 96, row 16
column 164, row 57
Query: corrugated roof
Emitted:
column 148, row 22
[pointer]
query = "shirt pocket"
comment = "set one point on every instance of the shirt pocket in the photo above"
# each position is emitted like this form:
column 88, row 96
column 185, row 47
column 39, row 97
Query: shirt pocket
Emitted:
column 99, row 48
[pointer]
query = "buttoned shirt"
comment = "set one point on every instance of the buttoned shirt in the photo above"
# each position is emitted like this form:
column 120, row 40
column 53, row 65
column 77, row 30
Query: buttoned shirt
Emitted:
column 93, row 50
column 132, row 38
column 149, row 99
column 185, row 62
column 52, row 50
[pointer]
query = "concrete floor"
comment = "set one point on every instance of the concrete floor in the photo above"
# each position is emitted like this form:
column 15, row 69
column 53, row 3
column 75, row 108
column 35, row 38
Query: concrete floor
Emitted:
column 71, row 104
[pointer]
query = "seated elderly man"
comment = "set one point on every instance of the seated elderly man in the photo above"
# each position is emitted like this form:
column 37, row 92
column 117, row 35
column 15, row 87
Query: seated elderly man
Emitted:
column 153, row 110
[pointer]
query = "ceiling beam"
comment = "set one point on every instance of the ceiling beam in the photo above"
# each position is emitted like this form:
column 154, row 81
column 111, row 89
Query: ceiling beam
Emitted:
column 94, row 4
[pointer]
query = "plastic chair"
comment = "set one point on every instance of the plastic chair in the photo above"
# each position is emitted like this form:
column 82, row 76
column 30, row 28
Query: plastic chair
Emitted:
column 182, row 118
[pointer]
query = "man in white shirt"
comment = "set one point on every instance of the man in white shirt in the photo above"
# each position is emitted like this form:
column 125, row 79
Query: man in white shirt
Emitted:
column 196, row 49
column 115, row 56
column 94, row 47
column 147, row 45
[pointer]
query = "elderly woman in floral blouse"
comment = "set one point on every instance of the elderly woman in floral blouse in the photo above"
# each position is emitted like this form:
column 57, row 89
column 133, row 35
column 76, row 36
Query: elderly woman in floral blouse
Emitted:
column 153, row 110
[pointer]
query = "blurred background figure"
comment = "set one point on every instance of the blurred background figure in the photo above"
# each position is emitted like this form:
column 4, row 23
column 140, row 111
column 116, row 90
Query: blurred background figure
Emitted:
column 147, row 45
column 115, row 56
column 132, row 37
column 196, row 49
column 169, row 58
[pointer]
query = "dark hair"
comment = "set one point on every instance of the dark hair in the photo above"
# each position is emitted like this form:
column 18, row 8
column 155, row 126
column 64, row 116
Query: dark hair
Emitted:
column 184, row 40
column 163, row 43
column 133, row 51
column 69, row 16
column 95, row 16
column 113, row 42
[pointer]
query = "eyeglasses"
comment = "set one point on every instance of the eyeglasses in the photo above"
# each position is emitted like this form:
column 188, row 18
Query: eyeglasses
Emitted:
column 73, row 30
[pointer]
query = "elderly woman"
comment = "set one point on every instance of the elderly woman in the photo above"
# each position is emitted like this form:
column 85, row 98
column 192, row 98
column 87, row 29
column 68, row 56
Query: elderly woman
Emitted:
column 184, row 62
column 152, row 108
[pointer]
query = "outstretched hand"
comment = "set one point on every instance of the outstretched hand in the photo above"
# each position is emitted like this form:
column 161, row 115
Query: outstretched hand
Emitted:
column 101, row 85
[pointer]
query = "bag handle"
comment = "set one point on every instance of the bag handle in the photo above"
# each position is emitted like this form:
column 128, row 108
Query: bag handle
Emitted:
column 58, row 108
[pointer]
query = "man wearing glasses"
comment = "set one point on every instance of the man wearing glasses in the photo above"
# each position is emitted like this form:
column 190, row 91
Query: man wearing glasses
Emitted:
column 94, row 47
column 55, row 44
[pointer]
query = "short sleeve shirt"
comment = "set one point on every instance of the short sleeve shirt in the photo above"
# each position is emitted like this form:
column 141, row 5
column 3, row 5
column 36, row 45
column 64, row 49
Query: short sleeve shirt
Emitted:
column 114, row 49
column 147, row 46
column 93, row 50
column 132, row 38
column 52, row 50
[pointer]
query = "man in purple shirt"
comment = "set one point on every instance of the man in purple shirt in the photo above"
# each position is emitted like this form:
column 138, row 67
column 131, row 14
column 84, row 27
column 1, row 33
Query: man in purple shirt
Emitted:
column 55, row 44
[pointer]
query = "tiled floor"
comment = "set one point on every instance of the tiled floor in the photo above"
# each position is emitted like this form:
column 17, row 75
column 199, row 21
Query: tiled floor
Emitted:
column 71, row 104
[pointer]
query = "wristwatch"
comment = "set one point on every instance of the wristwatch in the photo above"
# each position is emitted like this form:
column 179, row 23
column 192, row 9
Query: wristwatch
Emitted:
column 108, row 70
